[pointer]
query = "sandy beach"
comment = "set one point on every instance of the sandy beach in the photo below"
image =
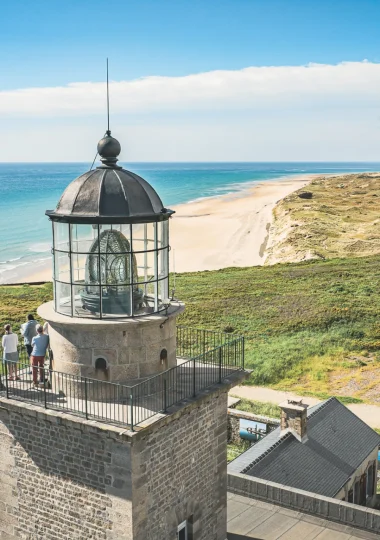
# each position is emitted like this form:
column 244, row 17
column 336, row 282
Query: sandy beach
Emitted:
column 217, row 232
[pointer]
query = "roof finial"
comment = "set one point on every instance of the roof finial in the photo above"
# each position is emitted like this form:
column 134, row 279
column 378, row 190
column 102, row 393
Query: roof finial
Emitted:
column 108, row 104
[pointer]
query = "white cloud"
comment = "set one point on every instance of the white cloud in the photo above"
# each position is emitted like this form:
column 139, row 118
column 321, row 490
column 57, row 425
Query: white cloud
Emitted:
column 304, row 113
column 315, row 85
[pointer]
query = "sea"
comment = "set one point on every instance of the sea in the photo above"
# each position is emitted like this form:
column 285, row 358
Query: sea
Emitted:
column 28, row 189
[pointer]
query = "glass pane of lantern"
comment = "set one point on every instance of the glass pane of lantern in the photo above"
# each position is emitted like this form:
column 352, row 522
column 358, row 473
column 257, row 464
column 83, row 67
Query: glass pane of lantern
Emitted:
column 61, row 236
column 116, row 301
column 86, row 301
column 163, row 264
column 63, row 298
column 163, row 289
column 139, row 305
column 145, row 263
column 149, row 295
column 165, row 233
column 126, row 231
column 114, row 239
column 159, row 234
column 85, row 268
column 62, row 266
column 143, row 235
column 83, row 237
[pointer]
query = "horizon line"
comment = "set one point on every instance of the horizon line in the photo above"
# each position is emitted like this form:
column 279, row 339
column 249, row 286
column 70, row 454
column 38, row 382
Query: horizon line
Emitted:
column 192, row 161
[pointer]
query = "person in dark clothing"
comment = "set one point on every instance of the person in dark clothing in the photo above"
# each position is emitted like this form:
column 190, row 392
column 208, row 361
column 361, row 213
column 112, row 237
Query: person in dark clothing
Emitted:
column 40, row 343
column 28, row 331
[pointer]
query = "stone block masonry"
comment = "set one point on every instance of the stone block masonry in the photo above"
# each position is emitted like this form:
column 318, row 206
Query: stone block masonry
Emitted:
column 56, row 476
column 64, row 478
column 179, row 473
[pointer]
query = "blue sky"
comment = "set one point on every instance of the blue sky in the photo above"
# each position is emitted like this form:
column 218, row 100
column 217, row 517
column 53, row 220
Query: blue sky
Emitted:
column 54, row 42
column 46, row 44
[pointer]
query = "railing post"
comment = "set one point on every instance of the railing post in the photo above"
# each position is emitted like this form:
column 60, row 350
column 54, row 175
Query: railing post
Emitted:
column 85, row 398
column 132, row 410
column 6, row 379
column 242, row 351
column 165, row 397
column 194, row 393
column 43, row 374
column 220, row 364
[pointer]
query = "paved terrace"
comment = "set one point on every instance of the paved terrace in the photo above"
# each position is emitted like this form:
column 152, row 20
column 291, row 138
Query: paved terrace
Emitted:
column 252, row 519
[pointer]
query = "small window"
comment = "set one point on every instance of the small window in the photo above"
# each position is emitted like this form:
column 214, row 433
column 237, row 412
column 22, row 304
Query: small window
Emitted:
column 370, row 480
column 357, row 492
column 182, row 531
column 101, row 364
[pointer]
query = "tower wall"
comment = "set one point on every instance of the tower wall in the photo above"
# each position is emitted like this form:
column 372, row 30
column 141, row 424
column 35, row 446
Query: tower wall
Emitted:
column 64, row 478
column 132, row 348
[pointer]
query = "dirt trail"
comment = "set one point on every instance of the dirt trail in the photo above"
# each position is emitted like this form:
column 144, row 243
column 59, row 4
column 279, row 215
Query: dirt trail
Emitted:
column 370, row 414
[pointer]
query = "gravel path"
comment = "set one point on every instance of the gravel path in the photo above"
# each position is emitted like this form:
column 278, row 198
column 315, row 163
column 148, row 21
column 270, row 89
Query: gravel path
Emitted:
column 370, row 414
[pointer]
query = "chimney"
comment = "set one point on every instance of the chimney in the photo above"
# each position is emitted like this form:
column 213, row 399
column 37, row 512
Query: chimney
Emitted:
column 293, row 419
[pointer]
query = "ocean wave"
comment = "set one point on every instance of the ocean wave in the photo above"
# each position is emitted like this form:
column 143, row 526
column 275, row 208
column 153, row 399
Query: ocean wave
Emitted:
column 11, row 260
column 40, row 247
column 6, row 266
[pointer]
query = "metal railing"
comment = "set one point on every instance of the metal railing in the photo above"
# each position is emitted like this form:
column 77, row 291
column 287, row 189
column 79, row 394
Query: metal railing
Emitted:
column 207, row 358
column 192, row 342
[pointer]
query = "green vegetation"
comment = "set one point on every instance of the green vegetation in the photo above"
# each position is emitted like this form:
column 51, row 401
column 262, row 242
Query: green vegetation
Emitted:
column 339, row 218
column 235, row 449
column 16, row 302
column 257, row 407
column 311, row 327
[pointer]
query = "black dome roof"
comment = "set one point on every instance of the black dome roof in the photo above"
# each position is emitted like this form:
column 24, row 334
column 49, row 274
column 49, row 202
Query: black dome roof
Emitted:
column 109, row 194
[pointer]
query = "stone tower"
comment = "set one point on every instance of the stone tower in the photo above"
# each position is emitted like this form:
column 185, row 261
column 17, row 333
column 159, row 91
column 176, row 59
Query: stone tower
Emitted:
column 127, row 438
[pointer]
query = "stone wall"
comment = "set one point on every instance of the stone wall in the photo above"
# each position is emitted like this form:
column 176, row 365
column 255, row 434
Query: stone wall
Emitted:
column 61, row 478
column 180, row 473
column 325, row 507
column 64, row 478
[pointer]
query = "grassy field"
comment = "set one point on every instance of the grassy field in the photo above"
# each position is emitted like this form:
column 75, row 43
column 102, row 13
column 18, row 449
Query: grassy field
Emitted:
column 311, row 327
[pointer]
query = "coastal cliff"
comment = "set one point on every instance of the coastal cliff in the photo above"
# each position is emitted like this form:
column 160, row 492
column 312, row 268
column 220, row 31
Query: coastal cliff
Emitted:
column 331, row 217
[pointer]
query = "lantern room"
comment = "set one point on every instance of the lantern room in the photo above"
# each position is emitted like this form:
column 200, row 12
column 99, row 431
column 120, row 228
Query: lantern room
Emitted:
column 110, row 243
column 111, row 318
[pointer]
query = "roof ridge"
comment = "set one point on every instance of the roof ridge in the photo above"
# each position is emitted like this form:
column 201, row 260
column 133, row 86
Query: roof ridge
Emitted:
column 321, row 406
column 267, row 451
column 334, row 398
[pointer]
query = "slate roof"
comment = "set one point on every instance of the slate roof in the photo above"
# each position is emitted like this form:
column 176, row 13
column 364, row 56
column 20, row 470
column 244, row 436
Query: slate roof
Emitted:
column 338, row 443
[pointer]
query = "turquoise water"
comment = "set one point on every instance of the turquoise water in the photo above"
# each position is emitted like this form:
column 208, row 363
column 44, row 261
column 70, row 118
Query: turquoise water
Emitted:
column 28, row 189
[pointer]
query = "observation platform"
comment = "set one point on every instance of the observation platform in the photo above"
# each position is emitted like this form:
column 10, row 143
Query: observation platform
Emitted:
column 141, row 403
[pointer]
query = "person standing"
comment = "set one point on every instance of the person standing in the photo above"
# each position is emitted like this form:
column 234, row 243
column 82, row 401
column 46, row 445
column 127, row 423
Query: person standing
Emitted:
column 50, row 352
column 28, row 331
column 10, row 343
column 40, row 343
